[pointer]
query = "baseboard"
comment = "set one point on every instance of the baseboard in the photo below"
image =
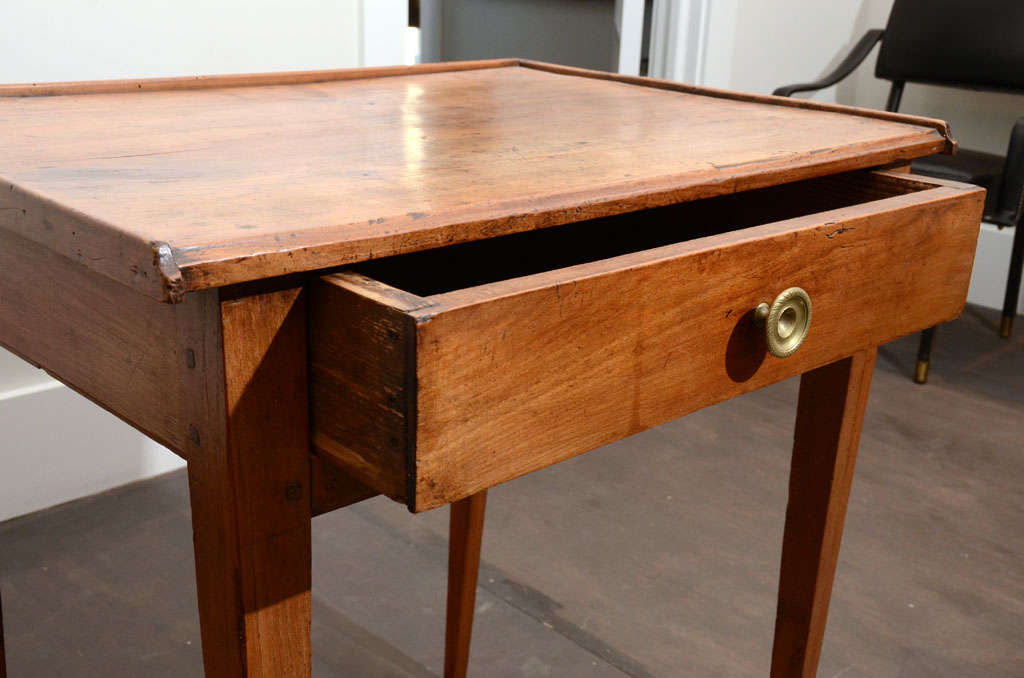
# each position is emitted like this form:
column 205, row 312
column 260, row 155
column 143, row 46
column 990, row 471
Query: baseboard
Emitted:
column 58, row 446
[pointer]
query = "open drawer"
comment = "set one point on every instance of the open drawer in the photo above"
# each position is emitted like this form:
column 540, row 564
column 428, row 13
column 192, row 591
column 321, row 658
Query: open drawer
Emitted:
column 441, row 373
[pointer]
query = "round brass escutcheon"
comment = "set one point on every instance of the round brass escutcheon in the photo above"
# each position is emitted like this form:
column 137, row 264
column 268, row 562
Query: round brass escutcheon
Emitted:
column 786, row 322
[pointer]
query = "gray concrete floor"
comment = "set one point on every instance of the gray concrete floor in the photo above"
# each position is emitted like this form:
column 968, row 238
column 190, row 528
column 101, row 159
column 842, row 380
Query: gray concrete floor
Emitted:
column 656, row 556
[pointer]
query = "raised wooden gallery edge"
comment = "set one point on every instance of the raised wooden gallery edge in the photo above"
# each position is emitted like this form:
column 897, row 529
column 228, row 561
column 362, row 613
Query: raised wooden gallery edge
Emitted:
column 178, row 185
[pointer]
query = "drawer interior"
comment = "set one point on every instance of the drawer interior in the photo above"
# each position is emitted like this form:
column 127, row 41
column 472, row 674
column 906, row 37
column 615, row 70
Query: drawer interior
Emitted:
column 445, row 269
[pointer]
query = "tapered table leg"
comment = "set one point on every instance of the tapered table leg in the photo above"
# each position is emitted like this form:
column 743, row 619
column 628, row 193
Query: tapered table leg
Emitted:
column 828, row 423
column 249, row 478
column 466, row 532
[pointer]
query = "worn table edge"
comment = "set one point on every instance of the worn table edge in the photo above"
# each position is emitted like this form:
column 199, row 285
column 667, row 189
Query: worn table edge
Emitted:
column 216, row 264
column 147, row 267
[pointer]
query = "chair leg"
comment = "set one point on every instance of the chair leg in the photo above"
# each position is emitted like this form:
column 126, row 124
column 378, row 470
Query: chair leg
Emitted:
column 1013, row 283
column 465, row 535
column 924, row 355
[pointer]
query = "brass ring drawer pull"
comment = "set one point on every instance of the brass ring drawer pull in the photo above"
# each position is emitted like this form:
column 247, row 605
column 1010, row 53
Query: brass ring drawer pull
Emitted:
column 786, row 322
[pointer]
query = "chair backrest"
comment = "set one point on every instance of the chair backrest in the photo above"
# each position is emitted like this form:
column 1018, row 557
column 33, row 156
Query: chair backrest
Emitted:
column 976, row 44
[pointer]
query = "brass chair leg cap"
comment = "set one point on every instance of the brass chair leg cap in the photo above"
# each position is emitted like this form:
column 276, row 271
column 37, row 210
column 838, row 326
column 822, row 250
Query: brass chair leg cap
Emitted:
column 1006, row 326
column 921, row 372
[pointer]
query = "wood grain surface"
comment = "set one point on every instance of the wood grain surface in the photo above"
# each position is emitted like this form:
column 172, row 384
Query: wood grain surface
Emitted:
column 171, row 190
column 518, row 374
column 362, row 357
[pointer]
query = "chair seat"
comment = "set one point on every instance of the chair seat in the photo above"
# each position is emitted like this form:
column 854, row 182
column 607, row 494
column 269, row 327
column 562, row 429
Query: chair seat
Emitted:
column 970, row 167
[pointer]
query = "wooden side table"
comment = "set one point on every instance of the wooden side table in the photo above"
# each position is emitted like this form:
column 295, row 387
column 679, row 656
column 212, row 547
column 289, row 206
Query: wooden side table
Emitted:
column 422, row 282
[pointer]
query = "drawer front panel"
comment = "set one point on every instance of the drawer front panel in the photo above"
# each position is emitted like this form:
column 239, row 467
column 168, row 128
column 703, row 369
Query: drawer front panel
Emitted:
column 514, row 376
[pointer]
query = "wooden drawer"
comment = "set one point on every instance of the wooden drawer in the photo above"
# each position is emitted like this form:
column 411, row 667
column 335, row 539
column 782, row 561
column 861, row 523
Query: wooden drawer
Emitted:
column 440, row 373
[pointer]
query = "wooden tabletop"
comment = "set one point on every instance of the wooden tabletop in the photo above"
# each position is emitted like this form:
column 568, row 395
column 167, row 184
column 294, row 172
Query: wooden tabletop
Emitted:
column 176, row 185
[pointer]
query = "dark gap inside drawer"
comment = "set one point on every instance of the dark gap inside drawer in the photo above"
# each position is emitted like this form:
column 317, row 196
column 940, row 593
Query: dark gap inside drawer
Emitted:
column 480, row 262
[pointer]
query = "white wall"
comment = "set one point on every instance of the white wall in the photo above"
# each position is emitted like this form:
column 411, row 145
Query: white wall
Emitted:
column 54, row 444
column 94, row 39
column 58, row 446
column 756, row 46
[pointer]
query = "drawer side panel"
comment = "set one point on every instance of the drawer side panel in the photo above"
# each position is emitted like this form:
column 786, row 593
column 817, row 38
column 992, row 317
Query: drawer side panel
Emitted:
column 362, row 383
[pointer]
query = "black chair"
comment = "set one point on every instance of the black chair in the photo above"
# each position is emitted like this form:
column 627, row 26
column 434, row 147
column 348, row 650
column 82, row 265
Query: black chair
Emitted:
column 968, row 44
